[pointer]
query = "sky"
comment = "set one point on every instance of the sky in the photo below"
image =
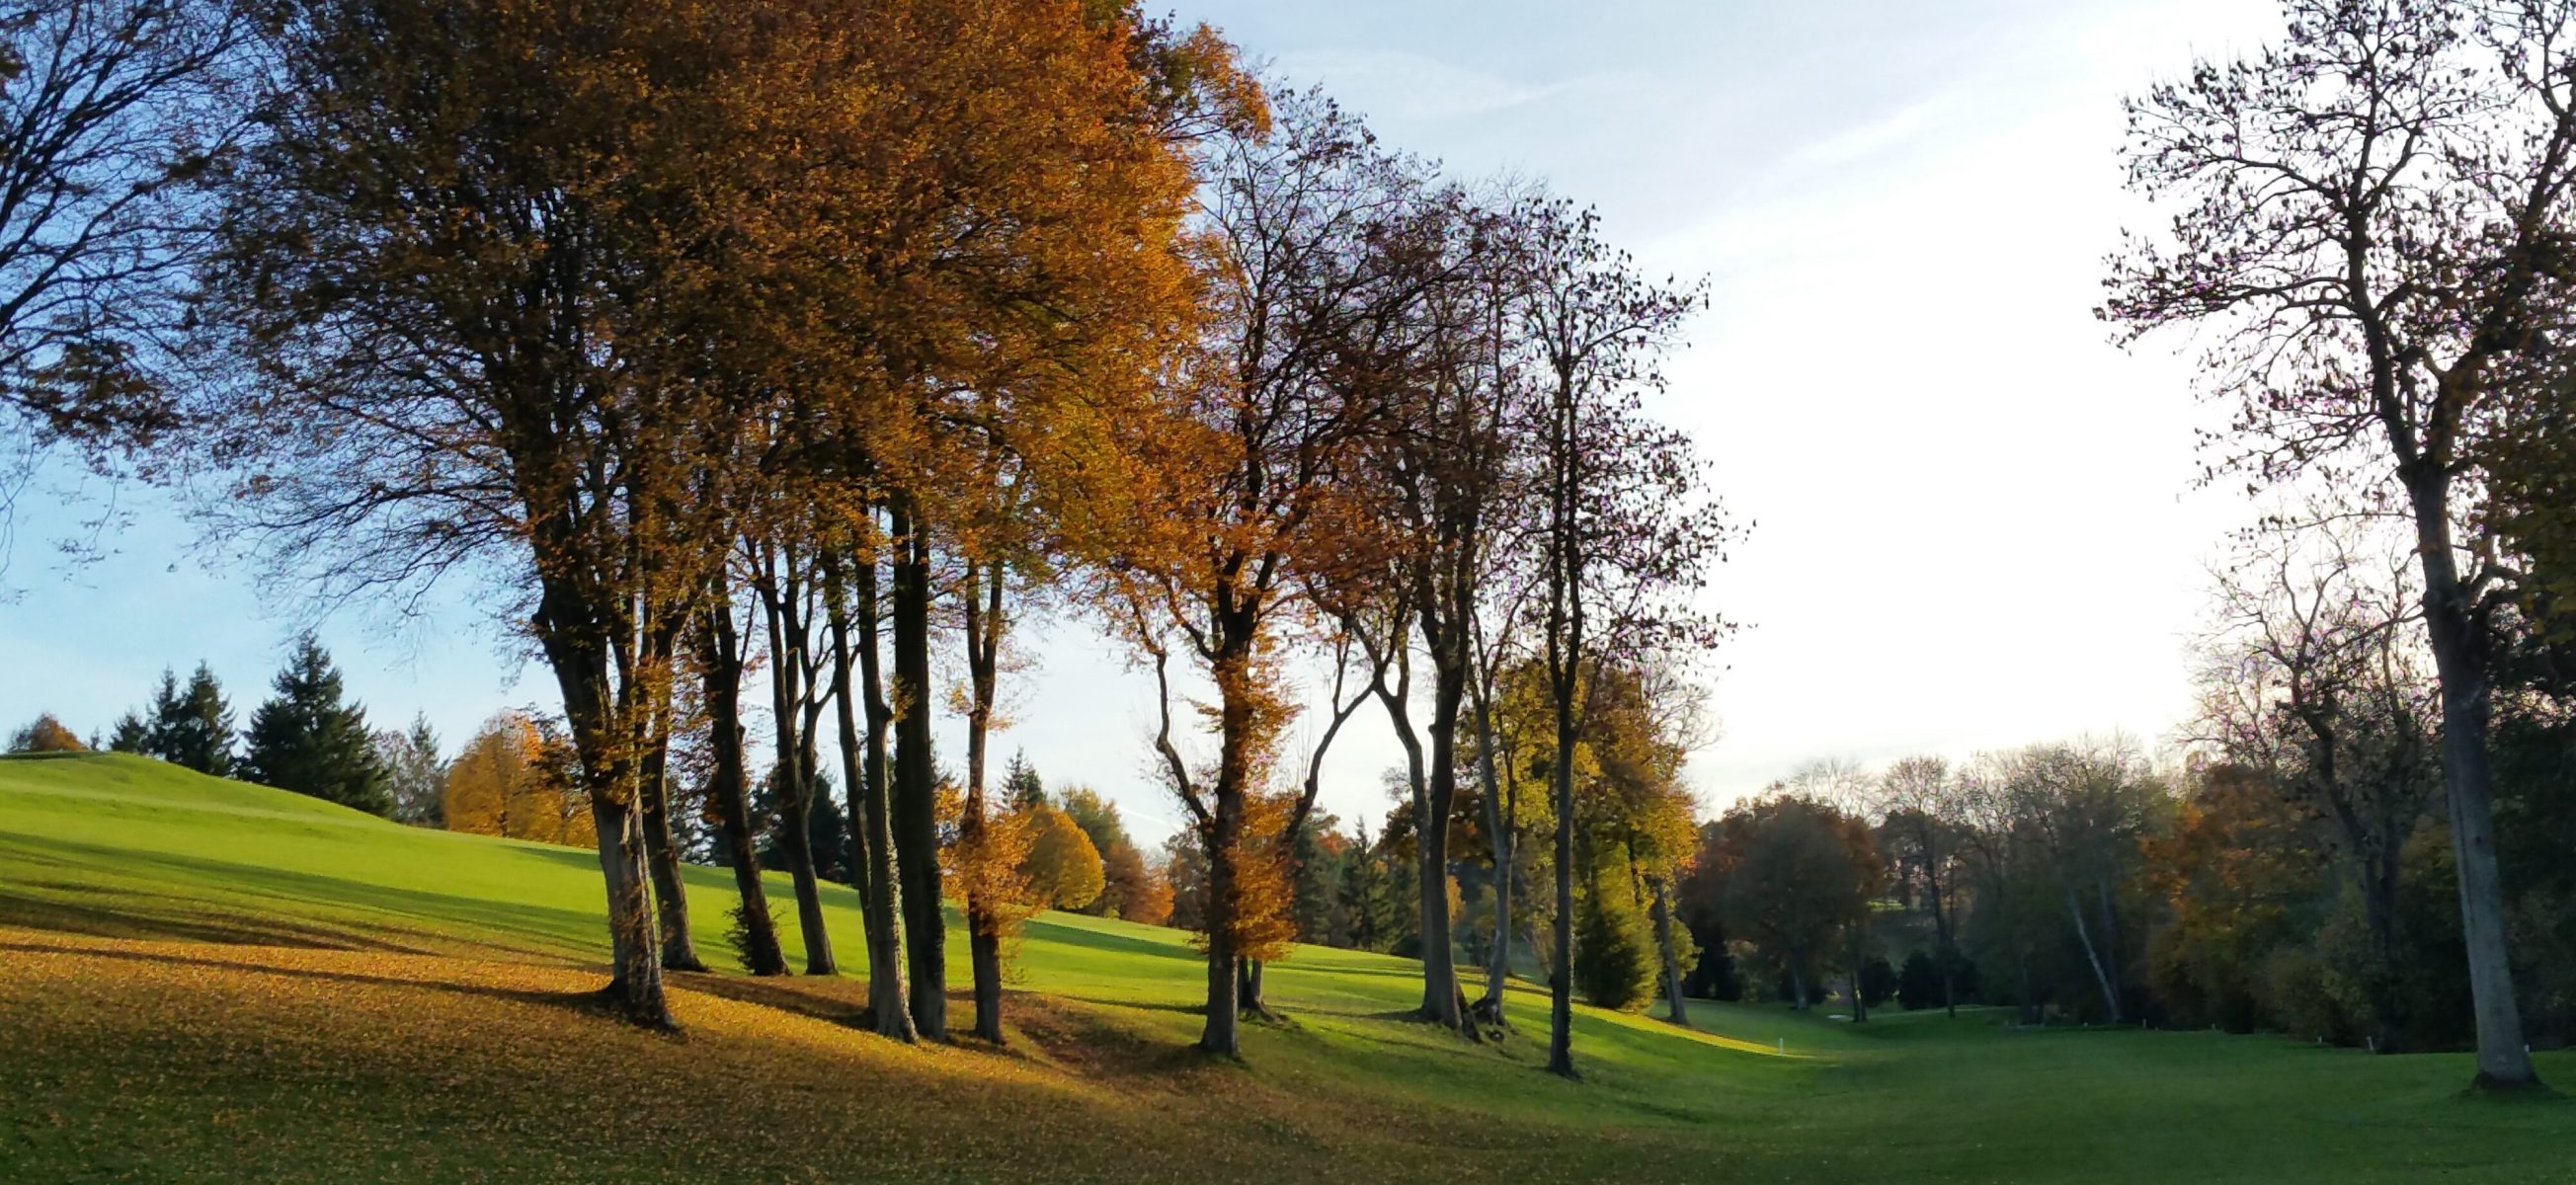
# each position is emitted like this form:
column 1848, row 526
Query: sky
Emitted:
column 1973, row 517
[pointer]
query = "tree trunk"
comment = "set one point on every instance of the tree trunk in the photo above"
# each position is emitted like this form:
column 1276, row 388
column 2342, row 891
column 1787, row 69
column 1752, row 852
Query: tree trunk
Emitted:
column 636, row 987
column 1680, row 1011
column 1223, row 834
column 790, row 661
column 1941, row 937
column 2503, row 1061
column 916, row 789
column 2379, row 879
column 2101, row 974
column 1560, row 1009
column 982, row 600
column 575, row 638
column 870, row 817
column 720, row 670
column 1440, row 991
column 1797, row 987
column 670, row 894
column 1498, row 830
column 1248, row 998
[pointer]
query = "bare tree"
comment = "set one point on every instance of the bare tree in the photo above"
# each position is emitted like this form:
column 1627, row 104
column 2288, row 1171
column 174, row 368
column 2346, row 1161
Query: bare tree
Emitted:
column 2310, row 673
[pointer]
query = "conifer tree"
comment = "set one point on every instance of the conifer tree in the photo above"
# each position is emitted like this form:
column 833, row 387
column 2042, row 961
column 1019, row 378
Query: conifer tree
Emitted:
column 309, row 739
column 1021, row 787
column 192, row 727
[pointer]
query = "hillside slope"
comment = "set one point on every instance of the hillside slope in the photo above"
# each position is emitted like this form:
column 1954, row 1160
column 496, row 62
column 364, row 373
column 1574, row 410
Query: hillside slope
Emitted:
column 203, row 980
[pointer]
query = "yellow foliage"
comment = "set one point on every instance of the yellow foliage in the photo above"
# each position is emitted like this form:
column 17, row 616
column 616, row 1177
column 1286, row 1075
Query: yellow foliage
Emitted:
column 513, row 780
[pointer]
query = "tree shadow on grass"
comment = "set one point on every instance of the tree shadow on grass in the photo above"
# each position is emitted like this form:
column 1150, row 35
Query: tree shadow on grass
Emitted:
column 586, row 1002
column 408, row 913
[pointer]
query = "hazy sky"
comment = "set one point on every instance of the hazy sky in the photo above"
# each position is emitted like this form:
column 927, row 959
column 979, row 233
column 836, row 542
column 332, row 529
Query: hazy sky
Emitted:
column 1973, row 521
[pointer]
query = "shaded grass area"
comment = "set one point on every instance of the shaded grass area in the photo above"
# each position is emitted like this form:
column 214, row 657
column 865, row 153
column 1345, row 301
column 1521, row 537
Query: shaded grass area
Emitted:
column 206, row 981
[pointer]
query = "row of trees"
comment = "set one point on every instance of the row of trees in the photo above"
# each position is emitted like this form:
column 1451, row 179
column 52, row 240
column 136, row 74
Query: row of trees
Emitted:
column 794, row 342
column 306, row 737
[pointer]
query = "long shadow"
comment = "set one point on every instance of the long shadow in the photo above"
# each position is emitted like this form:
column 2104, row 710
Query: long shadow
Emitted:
column 1096, row 940
column 780, row 992
column 583, row 1002
column 543, row 927
column 176, row 923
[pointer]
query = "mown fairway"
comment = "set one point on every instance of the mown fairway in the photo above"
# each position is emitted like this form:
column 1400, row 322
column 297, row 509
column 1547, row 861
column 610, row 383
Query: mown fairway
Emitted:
column 206, row 981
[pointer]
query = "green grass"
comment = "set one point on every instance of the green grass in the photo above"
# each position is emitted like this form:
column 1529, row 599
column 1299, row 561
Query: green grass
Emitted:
column 202, row 980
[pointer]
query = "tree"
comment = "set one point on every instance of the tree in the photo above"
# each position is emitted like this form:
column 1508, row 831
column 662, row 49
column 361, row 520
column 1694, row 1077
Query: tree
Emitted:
column 1796, row 873
column 718, row 655
column 108, row 109
column 1918, row 800
column 1615, row 959
column 2370, row 219
column 2309, row 677
column 1126, row 881
column 308, row 740
column 193, row 728
column 1022, row 788
column 513, row 779
column 414, row 775
column 45, row 734
column 1255, row 504
column 1626, row 535
column 482, row 262
column 131, row 735
column 1062, row 869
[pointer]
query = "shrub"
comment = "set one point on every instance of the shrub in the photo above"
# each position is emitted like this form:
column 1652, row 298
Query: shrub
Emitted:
column 1614, row 955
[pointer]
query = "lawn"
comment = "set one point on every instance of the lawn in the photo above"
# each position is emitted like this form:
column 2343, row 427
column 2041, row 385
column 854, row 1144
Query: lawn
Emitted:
column 206, row 981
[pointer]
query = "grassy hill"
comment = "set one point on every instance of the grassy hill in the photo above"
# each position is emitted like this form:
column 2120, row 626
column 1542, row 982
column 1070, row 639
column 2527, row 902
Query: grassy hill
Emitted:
column 208, row 981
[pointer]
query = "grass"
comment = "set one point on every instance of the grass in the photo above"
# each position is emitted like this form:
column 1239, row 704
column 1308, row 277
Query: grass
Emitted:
column 206, row 981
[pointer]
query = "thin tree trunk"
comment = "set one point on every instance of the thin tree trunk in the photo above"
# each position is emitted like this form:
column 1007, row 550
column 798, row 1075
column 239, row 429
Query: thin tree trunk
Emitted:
column 1248, row 997
column 2503, row 1061
column 728, row 787
column 1679, row 1010
column 1560, row 1027
column 670, row 893
column 886, row 1001
column 1442, row 997
column 2101, row 975
column 1941, row 936
column 916, row 789
column 982, row 597
column 1498, row 829
column 790, row 662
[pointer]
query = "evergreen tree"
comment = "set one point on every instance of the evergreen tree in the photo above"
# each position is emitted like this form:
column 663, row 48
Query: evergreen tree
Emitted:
column 414, row 775
column 131, row 735
column 1021, row 788
column 828, row 827
column 1372, row 908
column 308, row 739
column 193, row 727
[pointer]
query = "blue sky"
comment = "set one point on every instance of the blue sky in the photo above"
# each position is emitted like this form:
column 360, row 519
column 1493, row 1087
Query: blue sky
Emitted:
column 1973, row 517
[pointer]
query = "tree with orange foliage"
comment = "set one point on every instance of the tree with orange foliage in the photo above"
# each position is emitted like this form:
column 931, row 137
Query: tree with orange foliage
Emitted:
column 1258, row 500
column 513, row 780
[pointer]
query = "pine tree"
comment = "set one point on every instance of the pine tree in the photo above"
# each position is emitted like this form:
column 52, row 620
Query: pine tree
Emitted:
column 131, row 735
column 1368, row 895
column 1021, row 788
column 193, row 727
column 414, row 775
column 308, row 739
